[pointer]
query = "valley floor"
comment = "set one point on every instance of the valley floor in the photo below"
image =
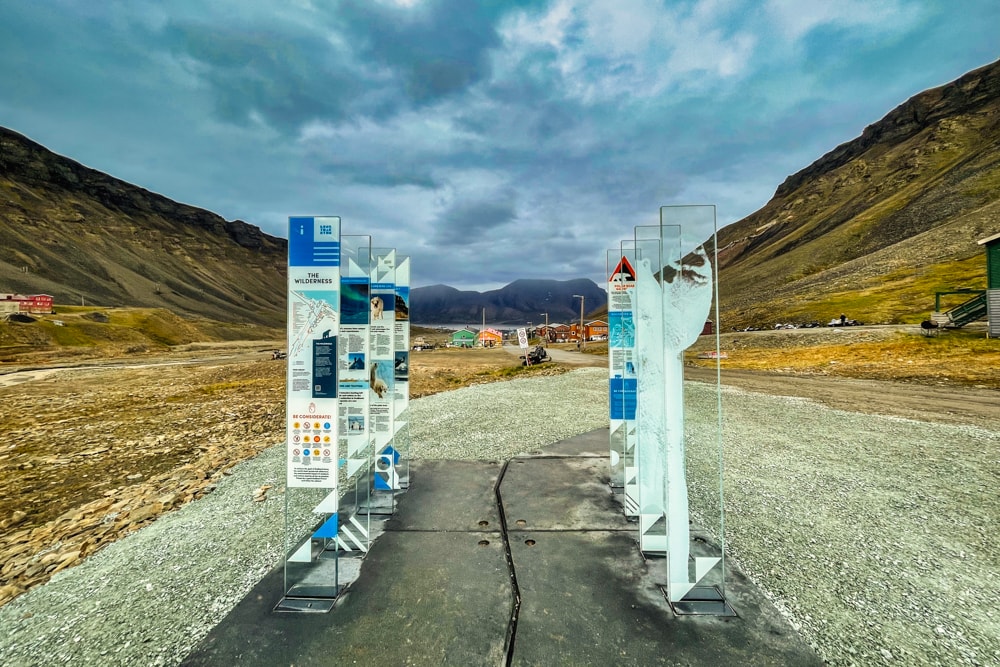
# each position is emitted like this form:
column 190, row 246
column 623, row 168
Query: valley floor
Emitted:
column 837, row 480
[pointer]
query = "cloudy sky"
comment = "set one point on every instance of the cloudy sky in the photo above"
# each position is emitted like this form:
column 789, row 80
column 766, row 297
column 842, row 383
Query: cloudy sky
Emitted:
column 490, row 141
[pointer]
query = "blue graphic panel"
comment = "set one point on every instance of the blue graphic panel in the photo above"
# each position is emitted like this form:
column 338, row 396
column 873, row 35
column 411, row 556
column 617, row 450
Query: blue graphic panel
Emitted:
column 621, row 329
column 623, row 397
column 354, row 300
column 329, row 529
column 314, row 242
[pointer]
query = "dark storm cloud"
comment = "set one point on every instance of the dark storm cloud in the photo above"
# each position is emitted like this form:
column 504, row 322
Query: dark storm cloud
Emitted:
column 519, row 138
column 474, row 222
column 288, row 77
column 359, row 59
column 380, row 175
column 437, row 48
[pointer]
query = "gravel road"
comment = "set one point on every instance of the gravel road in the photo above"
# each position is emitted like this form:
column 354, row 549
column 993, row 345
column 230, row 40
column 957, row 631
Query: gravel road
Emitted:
column 875, row 534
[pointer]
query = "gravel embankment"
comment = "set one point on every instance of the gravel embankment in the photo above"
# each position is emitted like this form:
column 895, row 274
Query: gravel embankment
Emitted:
column 875, row 534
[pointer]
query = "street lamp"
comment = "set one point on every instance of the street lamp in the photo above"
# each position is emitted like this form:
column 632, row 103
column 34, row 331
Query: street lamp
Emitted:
column 583, row 339
column 546, row 326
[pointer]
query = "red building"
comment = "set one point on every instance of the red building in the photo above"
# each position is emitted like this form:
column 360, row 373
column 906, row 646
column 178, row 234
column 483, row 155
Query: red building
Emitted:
column 32, row 303
column 558, row 333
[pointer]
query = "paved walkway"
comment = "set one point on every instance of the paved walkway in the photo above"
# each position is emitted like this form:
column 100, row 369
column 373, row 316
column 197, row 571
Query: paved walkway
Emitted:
column 526, row 562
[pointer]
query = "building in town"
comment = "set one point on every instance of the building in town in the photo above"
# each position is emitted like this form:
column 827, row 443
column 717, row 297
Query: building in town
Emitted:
column 464, row 338
column 30, row 303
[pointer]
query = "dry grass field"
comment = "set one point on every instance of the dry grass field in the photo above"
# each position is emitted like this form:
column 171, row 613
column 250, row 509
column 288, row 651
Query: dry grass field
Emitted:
column 896, row 353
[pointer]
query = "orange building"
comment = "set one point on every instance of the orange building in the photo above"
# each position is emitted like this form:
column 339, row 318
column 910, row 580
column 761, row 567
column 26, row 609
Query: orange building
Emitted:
column 490, row 338
column 596, row 330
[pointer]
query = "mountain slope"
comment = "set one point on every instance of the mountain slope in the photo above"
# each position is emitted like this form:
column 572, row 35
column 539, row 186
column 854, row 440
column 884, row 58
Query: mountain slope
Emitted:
column 81, row 235
column 880, row 223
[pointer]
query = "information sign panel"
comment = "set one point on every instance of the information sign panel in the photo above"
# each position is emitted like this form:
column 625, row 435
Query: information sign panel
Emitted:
column 355, row 309
column 401, row 369
column 313, row 327
column 622, row 373
column 401, row 362
column 381, row 373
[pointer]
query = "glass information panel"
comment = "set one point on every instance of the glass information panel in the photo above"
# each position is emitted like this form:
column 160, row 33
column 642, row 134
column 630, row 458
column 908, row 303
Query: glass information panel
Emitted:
column 401, row 370
column 621, row 365
column 694, row 448
column 678, row 464
column 382, row 379
column 354, row 357
column 311, row 402
column 652, row 246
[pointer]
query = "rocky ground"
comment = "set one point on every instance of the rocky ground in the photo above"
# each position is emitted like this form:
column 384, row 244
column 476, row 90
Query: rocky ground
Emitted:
column 89, row 455
column 93, row 452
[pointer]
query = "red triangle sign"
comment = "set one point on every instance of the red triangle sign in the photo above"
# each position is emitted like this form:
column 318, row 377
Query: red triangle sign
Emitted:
column 623, row 273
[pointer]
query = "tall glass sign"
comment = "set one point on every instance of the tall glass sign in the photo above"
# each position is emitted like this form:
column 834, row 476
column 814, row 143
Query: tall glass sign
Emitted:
column 621, row 369
column 401, row 369
column 679, row 465
column 354, row 358
column 312, row 413
column 382, row 379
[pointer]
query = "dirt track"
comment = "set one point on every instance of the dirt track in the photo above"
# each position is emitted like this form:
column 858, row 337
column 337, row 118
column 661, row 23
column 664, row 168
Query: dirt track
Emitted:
column 943, row 403
column 949, row 405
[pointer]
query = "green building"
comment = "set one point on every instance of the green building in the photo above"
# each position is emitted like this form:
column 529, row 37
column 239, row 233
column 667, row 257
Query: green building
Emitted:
column 464, row 338
column 992, row 244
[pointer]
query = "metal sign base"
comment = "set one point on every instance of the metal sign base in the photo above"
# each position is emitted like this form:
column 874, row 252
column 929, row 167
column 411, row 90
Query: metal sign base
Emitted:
column 305, row 605
column 701, row 601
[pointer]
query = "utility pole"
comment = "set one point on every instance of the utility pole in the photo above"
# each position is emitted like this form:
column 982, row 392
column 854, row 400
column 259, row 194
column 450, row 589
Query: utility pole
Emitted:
column 583, row 339
column 546, row 326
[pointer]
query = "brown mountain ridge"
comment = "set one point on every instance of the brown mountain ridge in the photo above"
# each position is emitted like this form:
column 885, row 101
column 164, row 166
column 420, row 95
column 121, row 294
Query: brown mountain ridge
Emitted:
column 878, row 224
column 83, row 236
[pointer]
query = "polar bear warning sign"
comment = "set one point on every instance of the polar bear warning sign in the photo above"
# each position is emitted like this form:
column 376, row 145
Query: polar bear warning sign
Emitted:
column 623, row 273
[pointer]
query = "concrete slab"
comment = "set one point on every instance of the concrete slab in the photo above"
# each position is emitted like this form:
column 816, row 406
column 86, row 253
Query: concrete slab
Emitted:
column 565, row 493
column 421, row 598
column 588, row 598
column 437, row 587
column 592, row 443
column 448, row 496
column 424, row 596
